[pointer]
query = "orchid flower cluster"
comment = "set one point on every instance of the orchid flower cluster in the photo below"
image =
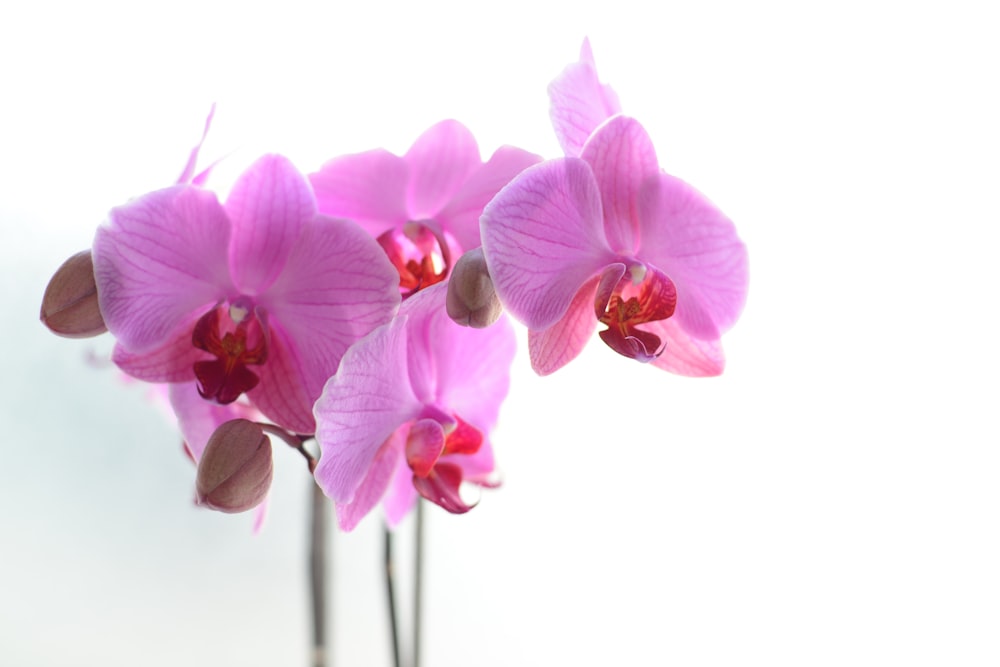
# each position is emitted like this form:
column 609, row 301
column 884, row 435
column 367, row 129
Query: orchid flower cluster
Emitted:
column 363, row 304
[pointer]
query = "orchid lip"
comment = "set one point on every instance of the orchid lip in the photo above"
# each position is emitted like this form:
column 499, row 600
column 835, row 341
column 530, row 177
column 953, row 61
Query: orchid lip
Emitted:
column 631, row 302
column 429, row 442
column 420, row 252
column 237, row 338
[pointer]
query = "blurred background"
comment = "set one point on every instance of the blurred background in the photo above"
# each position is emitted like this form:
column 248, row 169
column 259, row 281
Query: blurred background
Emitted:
column 831, row 499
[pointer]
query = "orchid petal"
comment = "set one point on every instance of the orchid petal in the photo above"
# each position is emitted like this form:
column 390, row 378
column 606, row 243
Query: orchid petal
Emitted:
column 374, row 485
column 171, row 362
column 269, row 204
column 461, row 216
column 446, row 359
column 440, row 161
column 336, row 287
column 695, row 244
column 368, row 188
column 361, row 406
column 479, row 358
column 543, row 237
column 400, row 497
column 281, row 395
column 159, row 259
column 579, row 102
column 683, row 354
column 622, row 157
column 551, row 349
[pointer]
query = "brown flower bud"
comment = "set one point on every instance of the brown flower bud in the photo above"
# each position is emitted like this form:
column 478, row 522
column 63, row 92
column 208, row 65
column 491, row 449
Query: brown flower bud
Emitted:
column 69, row 307
column 235, row 470
column 472, row 301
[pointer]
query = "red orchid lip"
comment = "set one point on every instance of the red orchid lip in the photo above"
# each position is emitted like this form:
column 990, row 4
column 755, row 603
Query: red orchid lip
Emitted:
column 237, row 338
column 436, row 480
column 642, row 294
column 420, row 253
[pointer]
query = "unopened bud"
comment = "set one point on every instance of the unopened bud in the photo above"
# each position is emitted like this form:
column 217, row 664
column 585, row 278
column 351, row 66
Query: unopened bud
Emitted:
column 235, row 470
column 69, row 307
column 472, row 301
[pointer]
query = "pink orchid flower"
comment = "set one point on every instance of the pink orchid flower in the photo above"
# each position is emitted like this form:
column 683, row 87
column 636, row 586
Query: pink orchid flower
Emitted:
column 422, row 207
column 261, row 296
column 609, row 238
column 410, row 412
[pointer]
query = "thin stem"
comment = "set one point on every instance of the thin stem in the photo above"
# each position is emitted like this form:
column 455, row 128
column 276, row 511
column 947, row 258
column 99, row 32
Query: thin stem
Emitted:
column 418, row 585
column 317, row 574
column 296, row 442
column 390, row 591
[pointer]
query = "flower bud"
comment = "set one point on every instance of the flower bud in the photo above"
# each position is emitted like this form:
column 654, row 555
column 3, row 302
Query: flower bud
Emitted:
column 69, row 307
column 235, row 470
column 472, row 301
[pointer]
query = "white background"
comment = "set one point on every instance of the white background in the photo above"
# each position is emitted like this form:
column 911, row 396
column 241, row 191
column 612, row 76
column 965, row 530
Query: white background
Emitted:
column 832, row 499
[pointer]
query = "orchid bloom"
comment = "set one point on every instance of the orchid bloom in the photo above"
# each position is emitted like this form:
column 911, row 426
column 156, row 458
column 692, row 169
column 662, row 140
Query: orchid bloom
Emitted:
column 410, row 412
column 608, row 238
column 258, row 297
column 604, row 236
column 422, row 207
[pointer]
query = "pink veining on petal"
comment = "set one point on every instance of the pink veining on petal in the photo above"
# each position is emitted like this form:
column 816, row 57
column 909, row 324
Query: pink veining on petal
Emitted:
column 173, row 361
column 337, row 286
column 543, row 237
column 623, row 159
column 461, row 215
column 361, row 406
column 551, row 349
column 268, row 206
column 160, row 258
